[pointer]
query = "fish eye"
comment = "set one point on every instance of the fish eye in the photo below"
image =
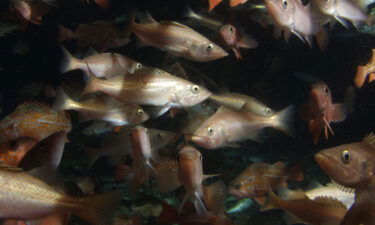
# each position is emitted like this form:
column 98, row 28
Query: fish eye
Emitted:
column 237, row 186
column 209, row 47
column 230, row 29
column 326, row 91
column 140, row 112
column 195, row 89
column 346, row 156
column 267, row 111
column 138, row 66
column 285, row 4
column 200, row 157
column 210, row 130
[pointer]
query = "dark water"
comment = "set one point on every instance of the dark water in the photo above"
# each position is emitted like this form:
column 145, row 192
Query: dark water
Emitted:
column 266, row 73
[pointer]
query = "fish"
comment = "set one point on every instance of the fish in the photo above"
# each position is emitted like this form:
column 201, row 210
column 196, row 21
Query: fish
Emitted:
column 177, row 39
column 102, row 65
column 203, row 20
column 365, row 72
column 101, row 108
column 340, row 10
column 147, row 87
column 235, row 40
column 13, row 151
column 291, row 16
column 242, row 102
column 321, row 210
column 320, row 111
column 32, row 11
column 35, row 198
column 101, row 35
column 97, row 127
column 228, row 126
column 257, row 178
column 35, row 120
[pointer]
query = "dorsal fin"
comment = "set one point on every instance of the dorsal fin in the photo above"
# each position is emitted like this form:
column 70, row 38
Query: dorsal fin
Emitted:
column 341, row 187
column 330, row 200
column 174, row 23
column 370, row 139
column 30, row 106
column 49, row 175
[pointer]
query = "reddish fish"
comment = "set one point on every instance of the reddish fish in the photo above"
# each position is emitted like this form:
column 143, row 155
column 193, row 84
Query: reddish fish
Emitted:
column 234, row 3
column 365, row 72
column 213, row 3
column 320, row 111
column 13, row 151
column 32, row 11
column 235, row 40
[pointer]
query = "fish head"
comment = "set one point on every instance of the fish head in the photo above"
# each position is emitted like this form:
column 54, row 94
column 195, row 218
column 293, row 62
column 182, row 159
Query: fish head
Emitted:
column 320, row 95
column 189, row 94
column 23, row 8
column 210, row 135
column 282, row 11
column 190, row 170
column 205, row 51
column 228, row 34
column 12, row 151
column 136, row 114
column 349, row 164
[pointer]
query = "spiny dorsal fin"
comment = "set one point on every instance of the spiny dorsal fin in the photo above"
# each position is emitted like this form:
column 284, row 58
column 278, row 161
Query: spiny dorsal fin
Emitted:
column 30, row 106
column 370, row 139
column 10, row 168
column 174, row 23
column 330, row 200
column 341, row 187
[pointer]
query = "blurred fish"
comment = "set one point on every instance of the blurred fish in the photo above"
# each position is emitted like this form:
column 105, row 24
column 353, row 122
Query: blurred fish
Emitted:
column 31, row 197
column 242, row 102
column 257, row 178
column 34, row 120
column 85, row 184
column 147, row 87
column 320, row 111
column 365, row 72
column 101, row 35
column 30, row 10
column 291, row 16
column 235, row 40
column 7, row 28
column 97, row 127
column 104, row 65
column 206, row 21
column 101, row 108
column 321, row 210
column 53, row 219
column 102, row 3
column 177, row 39
column 341, row 10
column 232, row 3
column 229, row 126
column 13, row 151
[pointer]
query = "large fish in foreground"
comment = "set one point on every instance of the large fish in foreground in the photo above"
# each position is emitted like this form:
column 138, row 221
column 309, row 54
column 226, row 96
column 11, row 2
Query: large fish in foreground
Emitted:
column 291, row 16
column 177, row 39
column 26, row 196
column 150, row 86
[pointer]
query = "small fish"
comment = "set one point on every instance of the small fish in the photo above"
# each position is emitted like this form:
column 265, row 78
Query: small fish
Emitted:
column 321, row 210
column 177, row 39
column 228, row 126
column 32, row 11
column 101, row 108
column 148, row 87
column 365, row 72
column 101, row 35
column 33, row 198
column 291, row 16
column 190, row 174
column 242, row 102
column 104, row 65
column 34, row 120
column 320, row 111
column 235, row 40
column 13, row 151
column 257, row 178
column 341, row 10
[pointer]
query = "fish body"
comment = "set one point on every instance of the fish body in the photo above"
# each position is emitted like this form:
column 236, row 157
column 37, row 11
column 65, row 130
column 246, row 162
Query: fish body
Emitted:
column 101, row 108
column 103, row 65
column 320, row 111
column 34, row 120
column 148, row 87
column 256, row 179
column 190, row 174
column 26, row 197
column 365, row 72
column 177, row 39
column 228, row 126
column 291, row 16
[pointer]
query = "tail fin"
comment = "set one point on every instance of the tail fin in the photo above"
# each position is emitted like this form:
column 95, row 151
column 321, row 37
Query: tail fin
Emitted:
column 271, row 202
column 284, row 120
column 360, row 76
column 100, row 209
column 214, row 197
column 62, row 101
column 68, row 61
column 188, row 13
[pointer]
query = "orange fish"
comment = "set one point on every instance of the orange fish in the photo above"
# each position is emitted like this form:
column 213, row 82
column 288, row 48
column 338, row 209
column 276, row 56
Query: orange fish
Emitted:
column 213, row 3
column 320, row 111
column 366, row 72
column 34, row 120
column 13, row 151
column 32, row 11
column 257, row 178
column 234, row 3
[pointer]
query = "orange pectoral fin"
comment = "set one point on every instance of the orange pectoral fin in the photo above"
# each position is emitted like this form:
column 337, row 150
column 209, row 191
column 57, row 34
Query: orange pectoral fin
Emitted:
column 339, row 113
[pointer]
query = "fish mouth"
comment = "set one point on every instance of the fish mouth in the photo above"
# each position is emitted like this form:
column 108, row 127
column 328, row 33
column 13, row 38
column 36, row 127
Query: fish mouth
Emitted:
column 202, row 141
column 324, row 161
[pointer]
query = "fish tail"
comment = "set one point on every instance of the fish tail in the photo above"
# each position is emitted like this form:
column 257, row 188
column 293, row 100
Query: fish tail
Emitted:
column 188, row 12
column 360, row 76
column 100, row 209
column 284, row 120
column 214, row 197
column 90, row 85
column 62, row 101
column 272, row 202
column 68, row 61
